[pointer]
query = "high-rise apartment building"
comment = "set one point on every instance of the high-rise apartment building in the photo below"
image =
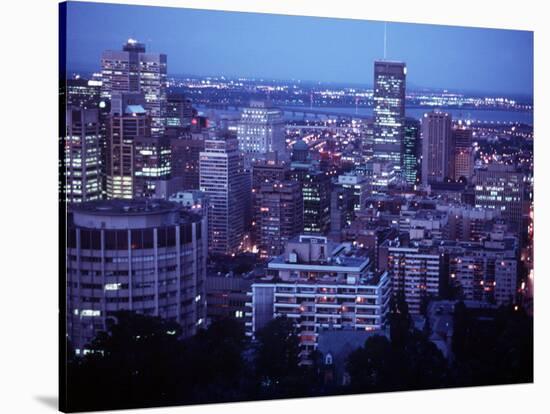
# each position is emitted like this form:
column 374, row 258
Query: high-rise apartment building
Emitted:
column 484, row 271
column 136, row 255
column 82, row 158
column 224, row 181
column 416, row 271
column 389, row 111
column 133, row 70
column 437, row 148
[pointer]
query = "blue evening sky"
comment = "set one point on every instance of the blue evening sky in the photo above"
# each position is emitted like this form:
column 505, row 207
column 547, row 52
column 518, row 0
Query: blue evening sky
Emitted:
column 201, row 42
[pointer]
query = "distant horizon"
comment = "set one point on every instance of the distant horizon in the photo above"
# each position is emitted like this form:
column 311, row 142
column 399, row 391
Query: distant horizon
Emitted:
column 312, row 49
column 413, row 87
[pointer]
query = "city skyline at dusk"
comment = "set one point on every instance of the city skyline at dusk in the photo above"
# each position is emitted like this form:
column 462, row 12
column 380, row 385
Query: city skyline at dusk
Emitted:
column 214, row 43
column 236, row 231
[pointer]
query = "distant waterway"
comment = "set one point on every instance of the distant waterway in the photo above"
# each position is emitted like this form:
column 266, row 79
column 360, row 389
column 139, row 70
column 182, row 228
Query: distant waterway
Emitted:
column 479, row 115
column 474, row 115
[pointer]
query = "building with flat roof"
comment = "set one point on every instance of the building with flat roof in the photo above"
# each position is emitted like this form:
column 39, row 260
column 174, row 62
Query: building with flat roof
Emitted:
column 437, row 148
column 227, row 186
column 82, row 157
column 135, row 159
column 485, row 271
column 136, row 255
column 416, row 271
column 389, row 111
column 133, row 70
column 499, row 187
column 278, row 216
column 261, row 130
column 319, row 284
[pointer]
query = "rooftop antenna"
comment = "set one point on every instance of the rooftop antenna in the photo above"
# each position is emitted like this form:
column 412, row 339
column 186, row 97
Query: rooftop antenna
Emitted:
column 385, row 38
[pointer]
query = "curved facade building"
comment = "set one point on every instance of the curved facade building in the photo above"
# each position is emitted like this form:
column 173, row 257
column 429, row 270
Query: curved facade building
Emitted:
column 140, row 255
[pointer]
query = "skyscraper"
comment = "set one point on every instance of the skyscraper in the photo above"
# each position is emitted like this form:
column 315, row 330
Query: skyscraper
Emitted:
column 86, row 93
column 82, row 155
column 389, row 111
column 83, row 93
column 412, row 151
column 133, row 70
column 186, row 147
column 135, row 159
column 316, row 193
column 437, row 148
column 347, row 199
column 264, row 171
column 463, row 153
column 261, row 131
column 225, row 183
column 278, row 215
column 316, row 186
column 179, row 111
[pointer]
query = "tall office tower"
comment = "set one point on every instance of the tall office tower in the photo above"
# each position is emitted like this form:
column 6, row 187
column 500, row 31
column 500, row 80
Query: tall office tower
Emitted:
column 179, row 111
column 278, row 216
column 316, row 189
column 186, row 151
column 225, row 183
column 133, row 70
column 412, row 151
column 320, row 285
column 83, row 93
column 389, row 111
column 82, row 155
column 152, row 164
column 463, row 154
column 437, row 148
column 500, row 188
column 136, row 255
column 261, row 130
column 264, row 171
column 416, row 271
column 347, row 199
column 136, row 160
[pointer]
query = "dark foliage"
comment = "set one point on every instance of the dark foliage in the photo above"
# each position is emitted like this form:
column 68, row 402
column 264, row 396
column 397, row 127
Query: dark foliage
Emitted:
column 492, row 347
column 142, row 362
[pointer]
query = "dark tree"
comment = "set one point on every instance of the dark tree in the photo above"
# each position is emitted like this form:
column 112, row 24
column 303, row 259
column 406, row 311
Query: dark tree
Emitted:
column 130, row 365
column 278, row 350
column 400, row 320
column 372, row 367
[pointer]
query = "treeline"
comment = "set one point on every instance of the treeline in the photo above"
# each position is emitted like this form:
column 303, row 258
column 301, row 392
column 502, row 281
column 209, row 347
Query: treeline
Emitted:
column 140, row 362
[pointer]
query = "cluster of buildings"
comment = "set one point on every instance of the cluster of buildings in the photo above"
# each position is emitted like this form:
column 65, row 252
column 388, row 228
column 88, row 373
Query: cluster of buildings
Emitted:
column 157, row 191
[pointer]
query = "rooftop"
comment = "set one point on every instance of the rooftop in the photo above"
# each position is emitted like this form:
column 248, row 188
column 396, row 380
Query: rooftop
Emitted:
column 138, row 206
